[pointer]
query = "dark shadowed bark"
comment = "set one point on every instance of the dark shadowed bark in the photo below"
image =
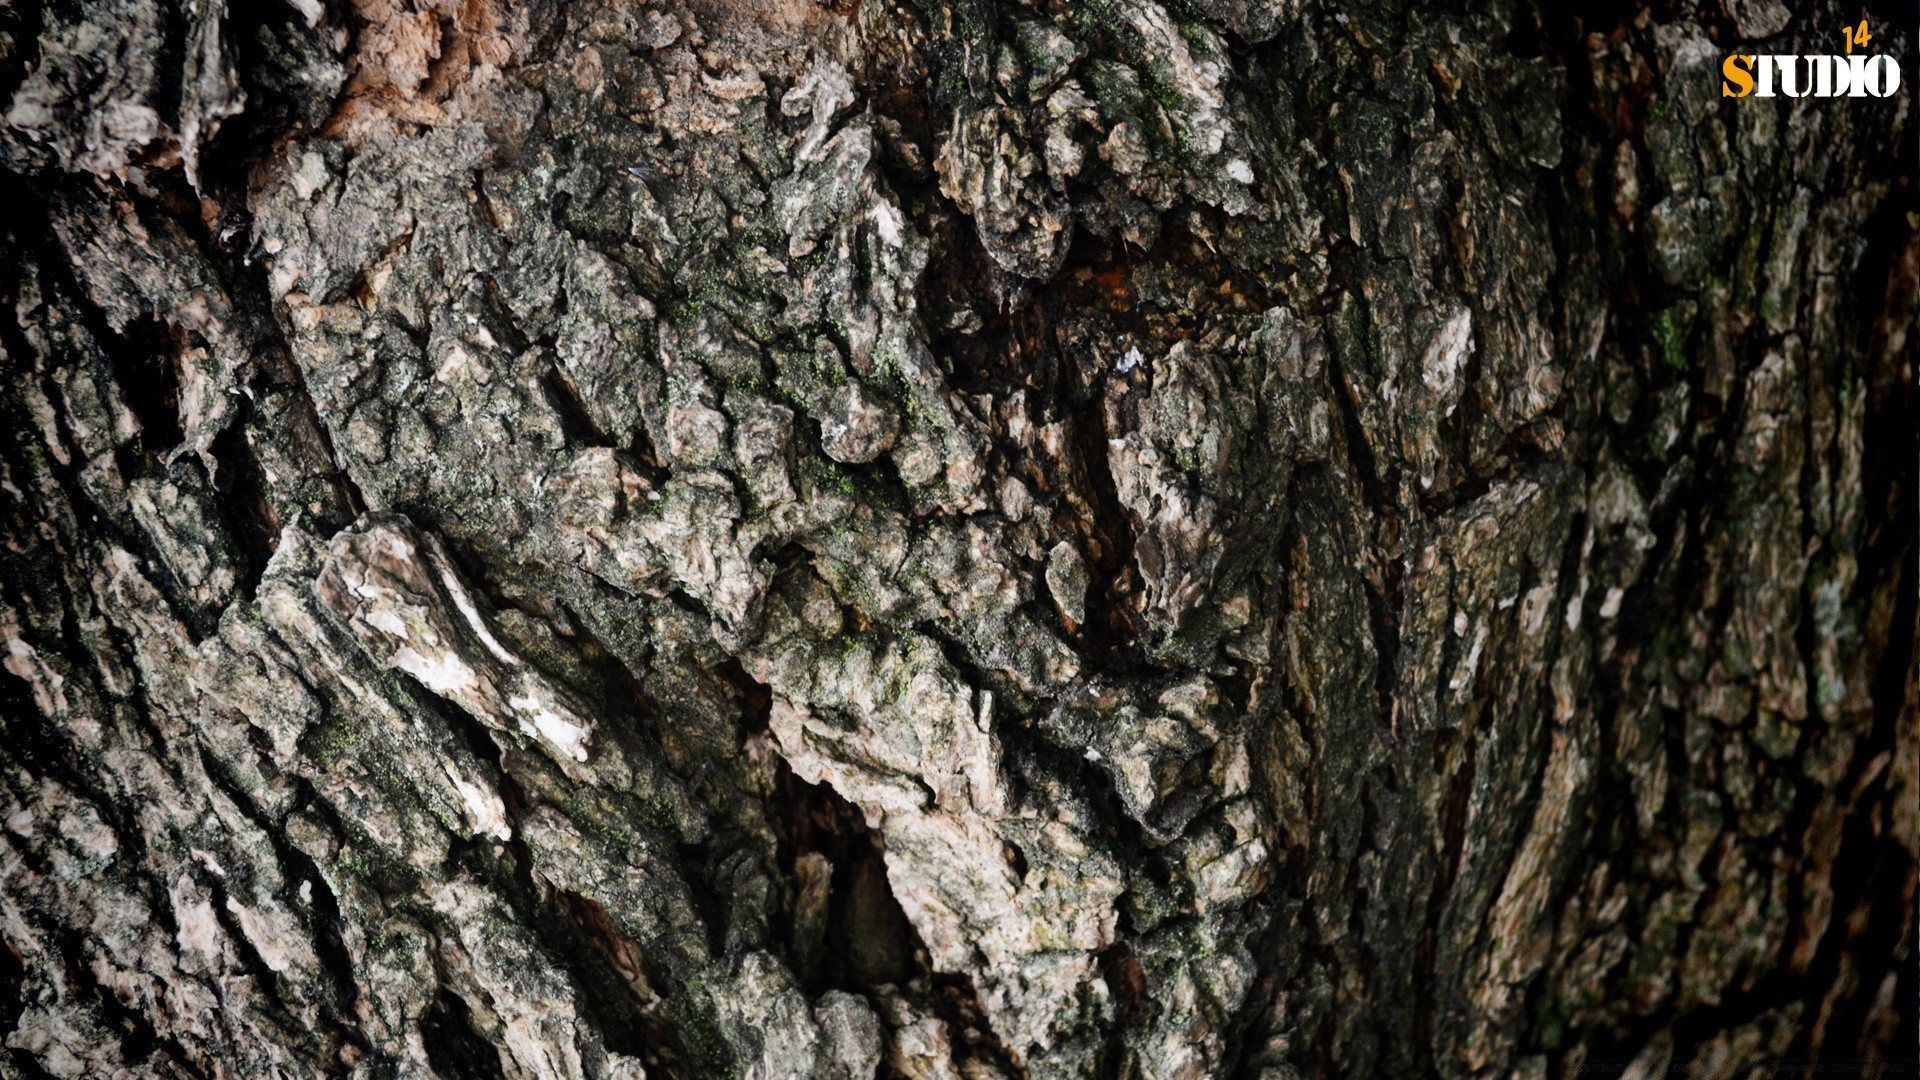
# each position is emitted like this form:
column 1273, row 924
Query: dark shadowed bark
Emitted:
column 953, row 538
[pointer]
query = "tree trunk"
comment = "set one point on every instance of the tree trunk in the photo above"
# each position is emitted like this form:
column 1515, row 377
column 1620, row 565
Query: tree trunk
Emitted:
column 953, row 538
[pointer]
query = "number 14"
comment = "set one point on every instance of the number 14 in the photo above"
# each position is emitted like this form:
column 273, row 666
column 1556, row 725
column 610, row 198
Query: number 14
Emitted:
column 1856, row 35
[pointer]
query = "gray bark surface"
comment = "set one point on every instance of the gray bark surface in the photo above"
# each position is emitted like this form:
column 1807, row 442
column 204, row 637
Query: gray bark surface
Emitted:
column 952, row 538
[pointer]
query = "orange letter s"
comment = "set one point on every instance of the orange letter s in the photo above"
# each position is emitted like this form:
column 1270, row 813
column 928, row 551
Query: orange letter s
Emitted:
column 1738, row 70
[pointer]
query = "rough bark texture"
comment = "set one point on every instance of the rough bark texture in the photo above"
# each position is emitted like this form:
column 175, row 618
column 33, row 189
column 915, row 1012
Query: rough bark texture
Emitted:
column 952, row 538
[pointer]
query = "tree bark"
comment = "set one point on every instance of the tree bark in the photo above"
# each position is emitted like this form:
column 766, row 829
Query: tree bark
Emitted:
column 953, row 538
